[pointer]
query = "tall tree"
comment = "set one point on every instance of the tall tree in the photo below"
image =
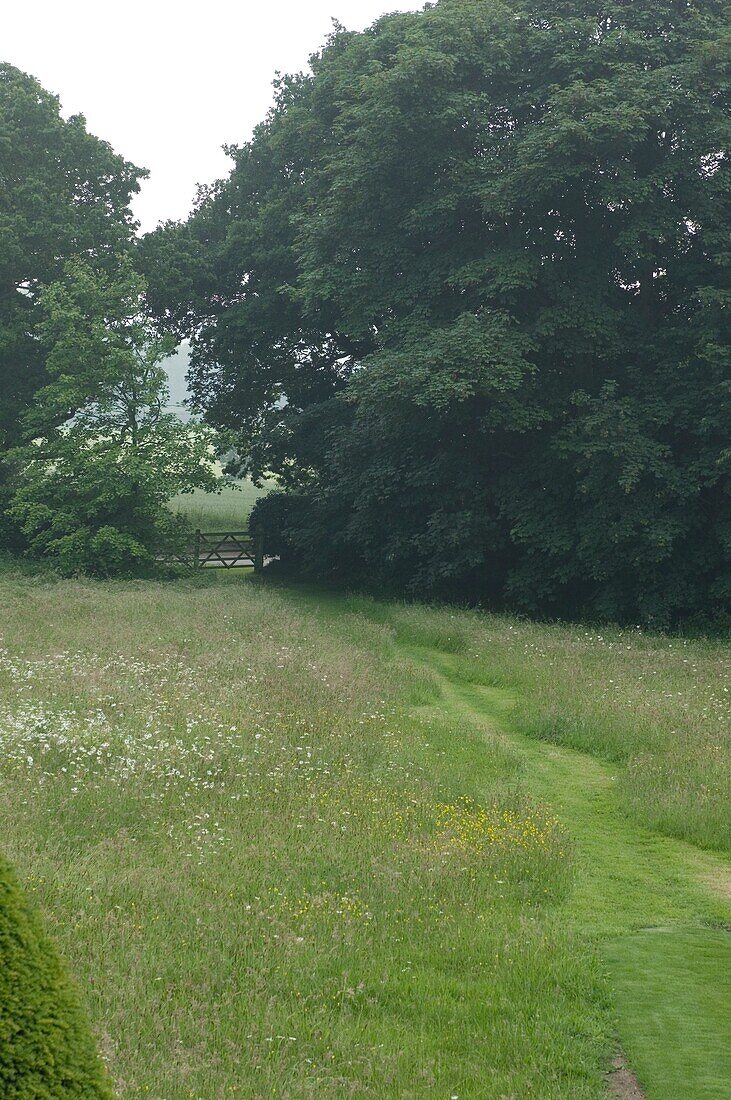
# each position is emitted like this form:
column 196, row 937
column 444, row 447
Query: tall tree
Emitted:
column 103, row 457
column 63, row 192
column 466, row 292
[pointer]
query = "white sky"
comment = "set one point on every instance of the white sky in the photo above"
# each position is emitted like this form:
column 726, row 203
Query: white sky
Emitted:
column 167, row 82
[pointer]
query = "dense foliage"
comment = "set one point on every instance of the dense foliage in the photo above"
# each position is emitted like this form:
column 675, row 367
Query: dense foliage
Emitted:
column 63, row 193
column 466, row 291
column 46, row 1051
column 103, row 459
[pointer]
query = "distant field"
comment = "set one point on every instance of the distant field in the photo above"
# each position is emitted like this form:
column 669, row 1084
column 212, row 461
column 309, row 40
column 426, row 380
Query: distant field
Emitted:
column 298, row 845
column 211, row 511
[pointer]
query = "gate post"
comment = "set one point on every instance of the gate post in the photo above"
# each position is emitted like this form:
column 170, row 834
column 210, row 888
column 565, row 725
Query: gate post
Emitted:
column 197, row 549
column 258, row 551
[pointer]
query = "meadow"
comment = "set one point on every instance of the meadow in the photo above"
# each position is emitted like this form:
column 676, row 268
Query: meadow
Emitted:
column 657, row 706
column 294, row 844
column 228, row 509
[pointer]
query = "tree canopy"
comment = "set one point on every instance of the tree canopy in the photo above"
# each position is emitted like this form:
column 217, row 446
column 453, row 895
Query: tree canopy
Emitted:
column 63, row 193
column 466, row 293
column 103, row 458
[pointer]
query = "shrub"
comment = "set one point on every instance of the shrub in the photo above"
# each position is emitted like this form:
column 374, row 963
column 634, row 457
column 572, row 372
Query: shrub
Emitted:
column 46, row 1049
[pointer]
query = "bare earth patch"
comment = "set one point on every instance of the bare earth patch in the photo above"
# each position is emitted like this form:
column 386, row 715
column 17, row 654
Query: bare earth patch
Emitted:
column 622, row 1082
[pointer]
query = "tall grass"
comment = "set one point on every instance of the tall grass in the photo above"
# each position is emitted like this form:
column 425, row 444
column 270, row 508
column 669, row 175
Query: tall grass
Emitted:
column 228, row 509
column 271, row 876
column 658, row 707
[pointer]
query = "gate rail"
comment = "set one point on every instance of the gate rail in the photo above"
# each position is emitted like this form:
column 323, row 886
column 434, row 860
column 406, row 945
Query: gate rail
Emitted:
column 224, row 550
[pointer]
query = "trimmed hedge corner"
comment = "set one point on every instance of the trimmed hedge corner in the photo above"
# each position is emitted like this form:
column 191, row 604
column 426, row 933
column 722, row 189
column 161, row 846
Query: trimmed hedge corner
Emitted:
column 46, row 1048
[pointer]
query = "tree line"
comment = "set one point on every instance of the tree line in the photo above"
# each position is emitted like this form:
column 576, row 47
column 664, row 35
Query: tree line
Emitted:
column 89, row 457
column 465, row 295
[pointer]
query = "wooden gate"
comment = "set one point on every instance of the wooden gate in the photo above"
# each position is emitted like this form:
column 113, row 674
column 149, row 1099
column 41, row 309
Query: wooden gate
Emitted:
column 227, row 549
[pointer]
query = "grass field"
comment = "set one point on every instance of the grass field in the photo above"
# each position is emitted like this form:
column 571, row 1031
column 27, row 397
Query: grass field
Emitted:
column 215, row 511
column 297, row 845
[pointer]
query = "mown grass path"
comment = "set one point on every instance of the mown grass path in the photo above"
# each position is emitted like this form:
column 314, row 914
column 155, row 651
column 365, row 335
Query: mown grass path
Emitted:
column 657, row 907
